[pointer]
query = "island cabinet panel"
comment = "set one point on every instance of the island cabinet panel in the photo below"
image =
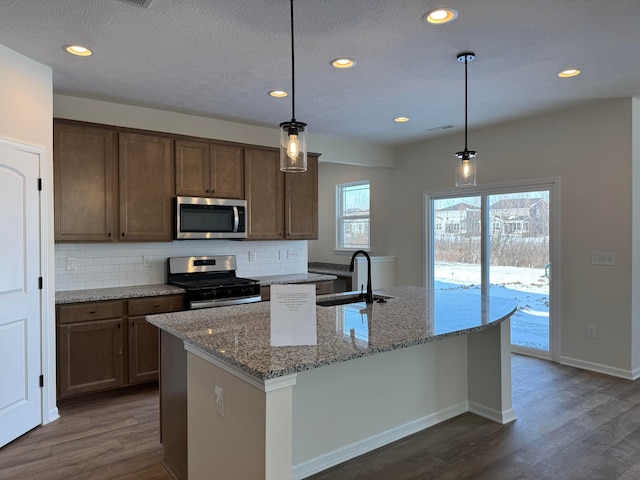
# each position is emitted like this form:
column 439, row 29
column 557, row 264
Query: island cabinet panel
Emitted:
column 146, row 171
column 144, row 337
column 85, row 188
column 90, row 355
column 301, row 202
column 207, row 169
column 264, row 190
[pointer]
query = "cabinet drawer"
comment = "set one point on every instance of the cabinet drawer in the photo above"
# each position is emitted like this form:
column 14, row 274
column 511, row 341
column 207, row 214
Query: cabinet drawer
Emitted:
column 151, row 305
column 84, row 312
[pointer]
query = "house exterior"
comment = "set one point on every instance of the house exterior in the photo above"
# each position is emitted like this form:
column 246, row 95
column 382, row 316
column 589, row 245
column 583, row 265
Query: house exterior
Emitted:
column 459, row 219
column 527, row 217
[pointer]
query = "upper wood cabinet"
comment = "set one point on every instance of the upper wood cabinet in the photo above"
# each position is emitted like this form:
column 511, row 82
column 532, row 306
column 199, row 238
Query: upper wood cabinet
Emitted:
column 207, row 169
column 85, row 171
column 281, row 205
column 264, row 190
column 146, row 166
column 115, row 184
column 301, row 202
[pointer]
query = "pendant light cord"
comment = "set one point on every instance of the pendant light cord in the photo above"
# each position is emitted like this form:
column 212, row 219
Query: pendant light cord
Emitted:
column 293, row 76
column 465, row 101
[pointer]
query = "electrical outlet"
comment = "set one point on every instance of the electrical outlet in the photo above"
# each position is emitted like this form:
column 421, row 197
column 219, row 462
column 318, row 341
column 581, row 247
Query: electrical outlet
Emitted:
column 591, row 331
column 71, row 264
column 292, row 254
column 146, row 260
column 252, row 255
column 603, row 258
column 282, row 255
column 219, row 393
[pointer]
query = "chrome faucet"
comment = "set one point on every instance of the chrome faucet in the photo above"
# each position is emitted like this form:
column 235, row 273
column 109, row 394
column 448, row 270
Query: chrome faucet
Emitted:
column 369, row 295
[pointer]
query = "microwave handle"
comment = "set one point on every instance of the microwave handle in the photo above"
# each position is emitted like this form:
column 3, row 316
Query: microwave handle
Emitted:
column 236, row 219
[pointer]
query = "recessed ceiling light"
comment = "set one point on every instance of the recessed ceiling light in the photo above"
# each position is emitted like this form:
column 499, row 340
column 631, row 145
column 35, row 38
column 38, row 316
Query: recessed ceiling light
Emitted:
column 278, row 93
column 440, row 16
column 571, row 72
column 401, row 119
column 343, row 62
column 77, row 50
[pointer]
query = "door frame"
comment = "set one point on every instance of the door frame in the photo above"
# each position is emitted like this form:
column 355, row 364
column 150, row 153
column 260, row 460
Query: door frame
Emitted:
column 549, row 183
column 49, row 410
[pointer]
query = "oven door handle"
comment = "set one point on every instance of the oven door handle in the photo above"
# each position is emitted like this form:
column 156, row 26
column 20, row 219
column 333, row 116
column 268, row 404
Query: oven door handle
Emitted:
column 222, row 303
column 236, row 219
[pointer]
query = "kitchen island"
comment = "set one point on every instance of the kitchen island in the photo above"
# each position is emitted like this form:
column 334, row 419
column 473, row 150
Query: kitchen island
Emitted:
column 379, row 372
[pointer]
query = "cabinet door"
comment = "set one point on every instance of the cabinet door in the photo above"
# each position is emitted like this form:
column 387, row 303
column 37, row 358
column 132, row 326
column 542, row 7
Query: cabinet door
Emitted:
column 192, row 168
column 84, row 169
column 143, row 337
column 226, row 171
column 301, row 203
column 264, row 190
column 143, row 350
column 146, row 170
column 89, row 356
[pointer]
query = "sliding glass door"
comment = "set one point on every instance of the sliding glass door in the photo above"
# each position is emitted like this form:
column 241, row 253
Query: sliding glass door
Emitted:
column 496, row 242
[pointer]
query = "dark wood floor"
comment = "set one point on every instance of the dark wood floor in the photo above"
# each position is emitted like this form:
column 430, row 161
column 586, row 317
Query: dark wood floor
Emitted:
column 571, row 424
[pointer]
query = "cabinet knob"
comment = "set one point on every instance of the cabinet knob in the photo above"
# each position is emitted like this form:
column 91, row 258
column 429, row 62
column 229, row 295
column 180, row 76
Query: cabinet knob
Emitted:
column 133, row 324
column 92, row 312
column 123, row 234
column 109, row 234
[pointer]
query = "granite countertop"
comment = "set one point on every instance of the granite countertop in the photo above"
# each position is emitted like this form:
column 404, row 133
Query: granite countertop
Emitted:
column 121, row 293
column 240, row 335
column 292, row 278
column 337, row 269
column 116, row 293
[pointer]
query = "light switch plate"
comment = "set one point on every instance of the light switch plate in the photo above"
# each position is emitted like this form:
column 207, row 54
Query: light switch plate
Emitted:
column 603, row 258
column 71, row 264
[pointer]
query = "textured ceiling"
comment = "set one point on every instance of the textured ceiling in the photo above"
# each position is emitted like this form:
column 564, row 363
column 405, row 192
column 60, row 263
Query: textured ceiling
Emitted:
column 219, row 58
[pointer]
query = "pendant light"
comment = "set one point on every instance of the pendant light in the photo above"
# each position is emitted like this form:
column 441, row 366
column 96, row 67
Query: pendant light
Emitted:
column 293, row 134
column 466, row 164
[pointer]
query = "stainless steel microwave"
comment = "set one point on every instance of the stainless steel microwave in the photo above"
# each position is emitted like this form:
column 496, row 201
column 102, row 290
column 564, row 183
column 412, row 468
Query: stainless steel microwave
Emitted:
column 210, row 218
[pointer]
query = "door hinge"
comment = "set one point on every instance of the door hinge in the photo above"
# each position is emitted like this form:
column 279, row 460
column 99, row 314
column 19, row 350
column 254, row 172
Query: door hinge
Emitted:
column 41, row 381
column 40, row 283
column 39, row 184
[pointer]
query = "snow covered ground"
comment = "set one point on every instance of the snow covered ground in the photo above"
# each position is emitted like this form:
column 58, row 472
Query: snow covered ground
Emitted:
column 529, row 286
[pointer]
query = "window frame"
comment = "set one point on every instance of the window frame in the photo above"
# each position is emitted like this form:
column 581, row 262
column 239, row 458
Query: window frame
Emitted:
column 340, row 217
column 553, row 185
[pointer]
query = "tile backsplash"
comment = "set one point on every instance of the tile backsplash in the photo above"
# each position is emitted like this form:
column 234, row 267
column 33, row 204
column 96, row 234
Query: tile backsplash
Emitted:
column 81, row 266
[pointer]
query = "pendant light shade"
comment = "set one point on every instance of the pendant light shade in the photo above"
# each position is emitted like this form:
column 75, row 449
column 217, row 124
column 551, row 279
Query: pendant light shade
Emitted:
column 293, row 134
column 466, row 163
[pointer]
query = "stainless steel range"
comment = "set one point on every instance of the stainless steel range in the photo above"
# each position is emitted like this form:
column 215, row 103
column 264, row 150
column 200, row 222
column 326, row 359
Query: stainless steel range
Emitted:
column 211, row 281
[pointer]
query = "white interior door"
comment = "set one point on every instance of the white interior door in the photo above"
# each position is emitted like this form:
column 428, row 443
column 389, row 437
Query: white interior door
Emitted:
column 20, row 308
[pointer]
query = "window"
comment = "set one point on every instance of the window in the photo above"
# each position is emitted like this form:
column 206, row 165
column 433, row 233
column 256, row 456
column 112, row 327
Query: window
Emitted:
column 353, row 216
column 510, row 259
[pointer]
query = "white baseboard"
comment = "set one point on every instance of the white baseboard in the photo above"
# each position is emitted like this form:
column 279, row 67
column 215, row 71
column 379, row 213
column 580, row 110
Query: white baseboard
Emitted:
column 597, row 367
column 315, row 465
column 52, row 415
column 495, row 415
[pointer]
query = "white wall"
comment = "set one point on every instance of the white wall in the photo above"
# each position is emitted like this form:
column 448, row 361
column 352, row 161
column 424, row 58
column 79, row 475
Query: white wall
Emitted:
column 26, row 98
column 589, row 148
column 635, row 282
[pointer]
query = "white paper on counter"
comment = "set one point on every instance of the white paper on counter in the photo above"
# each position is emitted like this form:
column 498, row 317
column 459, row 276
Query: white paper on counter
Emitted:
column 293, row 315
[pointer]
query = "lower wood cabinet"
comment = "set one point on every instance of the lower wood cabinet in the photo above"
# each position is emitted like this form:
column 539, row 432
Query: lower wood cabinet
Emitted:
column 108, row 345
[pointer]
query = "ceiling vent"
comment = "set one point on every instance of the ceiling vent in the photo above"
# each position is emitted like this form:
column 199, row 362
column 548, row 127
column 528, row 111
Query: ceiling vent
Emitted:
column 138, row 3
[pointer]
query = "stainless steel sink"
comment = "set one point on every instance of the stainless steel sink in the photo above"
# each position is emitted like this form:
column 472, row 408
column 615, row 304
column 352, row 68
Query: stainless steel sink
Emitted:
column 347, row 300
